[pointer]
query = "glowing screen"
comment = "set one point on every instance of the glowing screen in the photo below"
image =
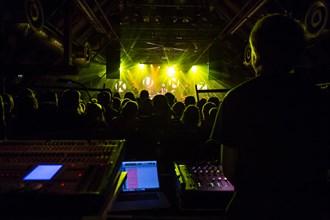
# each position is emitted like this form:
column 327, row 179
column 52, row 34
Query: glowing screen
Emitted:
column 43, row 172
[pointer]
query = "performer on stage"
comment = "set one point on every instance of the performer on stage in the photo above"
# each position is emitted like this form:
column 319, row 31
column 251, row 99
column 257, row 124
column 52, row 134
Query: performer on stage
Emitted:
column 162, row 90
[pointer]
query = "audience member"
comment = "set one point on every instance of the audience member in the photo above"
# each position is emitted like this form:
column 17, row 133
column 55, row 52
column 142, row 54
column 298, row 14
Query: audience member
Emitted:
column 178, row 109
column 207, row 123
column 2, row 119
column 105, row 100
column 189, row 100
column 274, row 131
column 116, row 104
column 191, row 118
column 95, row 118
column 213, row 114
column 200, row 103
column 144, row 94
column 128, row 122
column 117, row 95
column 145, row 108
column 9, row 104
column 47, row 116
column 162, row 113
column 25, row 109
column 129, row 95
column 48, row 96
column 71, row 120
column 214, row 100
column 170, row 98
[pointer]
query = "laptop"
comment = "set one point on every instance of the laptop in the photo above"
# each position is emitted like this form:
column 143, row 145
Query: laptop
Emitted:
column 141, row 189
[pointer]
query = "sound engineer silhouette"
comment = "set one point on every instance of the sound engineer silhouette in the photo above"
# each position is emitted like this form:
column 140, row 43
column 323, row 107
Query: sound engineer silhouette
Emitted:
column 273, row 130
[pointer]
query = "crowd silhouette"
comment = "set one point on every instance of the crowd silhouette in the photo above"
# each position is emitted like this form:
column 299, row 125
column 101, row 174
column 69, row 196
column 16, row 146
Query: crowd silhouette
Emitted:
column 160, row 127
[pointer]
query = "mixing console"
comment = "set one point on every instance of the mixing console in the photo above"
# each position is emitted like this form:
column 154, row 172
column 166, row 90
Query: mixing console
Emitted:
column 202, row 185
column 74, row 177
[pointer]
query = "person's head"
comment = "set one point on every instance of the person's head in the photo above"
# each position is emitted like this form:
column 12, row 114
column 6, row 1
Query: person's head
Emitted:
column 145, row 107
column 144, row 94
column 130, row 109
column 48, row 96
column 190, row 100
column 116, row 103
column 160, row 102
column 129, row 95
column 200, row 103
column 25, row 105
column 214, row 100
column 277, row 41
column 206, row 109
column 94, row 111
column 170, row 98
column 161, row 106
column 191, row 117
column 104, row 98
column 178, row 108
column 117, row 95
column 8, row 100
column 70, row 101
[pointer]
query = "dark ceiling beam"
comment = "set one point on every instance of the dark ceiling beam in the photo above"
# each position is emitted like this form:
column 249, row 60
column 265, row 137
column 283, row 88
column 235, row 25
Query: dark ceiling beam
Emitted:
column 84, row 7
column 68, row 33
column 110, row 33
column 245, row 12
column 248, row 15
column 99, row 27
column 222, row 12
column 57, row 10
column 237, row 21
column 112, row 29
column 176, row 35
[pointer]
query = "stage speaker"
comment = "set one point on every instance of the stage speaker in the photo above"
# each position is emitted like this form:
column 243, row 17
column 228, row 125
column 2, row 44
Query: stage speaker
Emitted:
column 316, row 17
column 313, row 13
column 113, row 61
column 28, row 11
column 247, row 55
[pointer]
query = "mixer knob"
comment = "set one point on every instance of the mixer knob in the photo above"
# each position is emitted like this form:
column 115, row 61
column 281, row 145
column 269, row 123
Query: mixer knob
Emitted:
column 19, row 186
column 36, row 186
column 33, row 186
column 14, row 188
